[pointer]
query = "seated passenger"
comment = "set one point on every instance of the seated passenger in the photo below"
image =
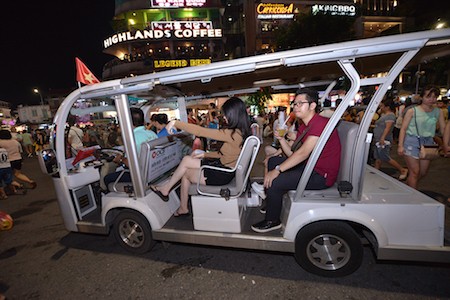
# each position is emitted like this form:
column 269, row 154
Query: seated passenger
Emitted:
column 285, row 173
column 232, row 136
column 141, row 135
column 161, row 121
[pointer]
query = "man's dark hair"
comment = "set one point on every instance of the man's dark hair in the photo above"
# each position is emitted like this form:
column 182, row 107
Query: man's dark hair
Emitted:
column 137, row 116
column 312, row 96
column 71, row 119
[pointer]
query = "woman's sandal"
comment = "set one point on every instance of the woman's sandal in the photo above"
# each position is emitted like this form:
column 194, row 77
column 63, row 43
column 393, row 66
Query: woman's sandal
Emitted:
column 157, row 192
column 178, row 215
column 403, row 175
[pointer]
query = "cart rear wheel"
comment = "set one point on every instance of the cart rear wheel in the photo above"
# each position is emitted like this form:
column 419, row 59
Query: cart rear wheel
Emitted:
column 330, row 249
column 133, row 232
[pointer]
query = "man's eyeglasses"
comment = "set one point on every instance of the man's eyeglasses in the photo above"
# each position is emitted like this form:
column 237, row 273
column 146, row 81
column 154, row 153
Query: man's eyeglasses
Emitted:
column 299, row 103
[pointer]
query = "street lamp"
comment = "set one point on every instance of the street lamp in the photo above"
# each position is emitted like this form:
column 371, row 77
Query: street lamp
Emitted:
column 36, row 91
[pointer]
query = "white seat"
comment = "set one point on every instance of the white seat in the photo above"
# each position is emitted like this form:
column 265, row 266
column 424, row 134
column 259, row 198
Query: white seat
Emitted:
column 220, row 208
column 347, row 135
column 242, row 169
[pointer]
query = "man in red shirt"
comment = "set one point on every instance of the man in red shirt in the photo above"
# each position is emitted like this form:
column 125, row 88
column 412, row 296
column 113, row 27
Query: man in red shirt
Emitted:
column 285, row 173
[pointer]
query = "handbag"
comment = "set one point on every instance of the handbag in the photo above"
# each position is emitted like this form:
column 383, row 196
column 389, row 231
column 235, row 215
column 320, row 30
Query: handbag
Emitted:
column 298, row 142
column 427, row 151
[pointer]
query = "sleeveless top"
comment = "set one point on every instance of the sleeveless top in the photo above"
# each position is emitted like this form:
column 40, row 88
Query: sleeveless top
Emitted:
column 426, row 121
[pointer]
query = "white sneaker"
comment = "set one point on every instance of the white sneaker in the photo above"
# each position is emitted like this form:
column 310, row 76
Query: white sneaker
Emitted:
column 257, row 186
column 259, row 189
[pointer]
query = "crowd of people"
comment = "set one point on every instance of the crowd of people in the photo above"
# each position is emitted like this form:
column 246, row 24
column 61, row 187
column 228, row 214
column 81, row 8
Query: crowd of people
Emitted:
column 13, row 146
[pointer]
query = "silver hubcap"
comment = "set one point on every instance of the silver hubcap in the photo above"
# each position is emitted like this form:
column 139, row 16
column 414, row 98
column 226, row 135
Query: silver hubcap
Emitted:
column 131, row 233
column 328, row 252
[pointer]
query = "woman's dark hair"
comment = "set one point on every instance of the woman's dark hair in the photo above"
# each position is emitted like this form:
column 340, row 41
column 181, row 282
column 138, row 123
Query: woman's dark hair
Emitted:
column 432, row 89
column 235, row 111
column 162, row 119
column 312, row 96
column 137, row 116
column 388, row 102
column 5, row 134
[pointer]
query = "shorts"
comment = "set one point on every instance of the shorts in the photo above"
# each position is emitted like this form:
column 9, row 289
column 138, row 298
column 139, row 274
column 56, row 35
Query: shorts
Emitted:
column 382, row 153
column 216, row 177
column 16, row 164
column 6, row 176
column 411, row 145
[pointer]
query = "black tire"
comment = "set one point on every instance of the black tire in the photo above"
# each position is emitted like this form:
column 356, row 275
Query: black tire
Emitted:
column 133, row 232
column 330, row 249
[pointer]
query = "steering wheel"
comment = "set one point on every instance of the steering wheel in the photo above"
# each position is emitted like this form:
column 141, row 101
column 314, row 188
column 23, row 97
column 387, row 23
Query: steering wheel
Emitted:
column 107, row 154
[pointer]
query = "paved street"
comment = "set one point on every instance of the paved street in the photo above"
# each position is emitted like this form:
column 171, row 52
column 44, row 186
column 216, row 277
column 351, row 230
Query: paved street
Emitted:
column 39, row 259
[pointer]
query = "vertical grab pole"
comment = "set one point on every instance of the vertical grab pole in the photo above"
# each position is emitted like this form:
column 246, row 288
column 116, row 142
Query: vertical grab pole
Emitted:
column 126, row 125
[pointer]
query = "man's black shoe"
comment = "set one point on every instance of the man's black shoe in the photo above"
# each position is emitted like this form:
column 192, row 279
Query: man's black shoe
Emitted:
column 262, row 209
column 266, row 226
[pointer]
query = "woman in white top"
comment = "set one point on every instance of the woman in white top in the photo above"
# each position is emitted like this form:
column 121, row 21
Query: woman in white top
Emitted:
column 13, row 148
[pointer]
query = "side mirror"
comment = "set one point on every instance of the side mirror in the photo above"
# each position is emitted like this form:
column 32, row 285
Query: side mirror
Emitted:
column 48, row 162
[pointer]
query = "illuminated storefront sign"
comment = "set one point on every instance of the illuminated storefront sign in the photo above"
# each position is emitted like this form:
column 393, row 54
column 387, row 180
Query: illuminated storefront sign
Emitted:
column 275, row 11
column 179, row 63
column 334, row 9
column 162, row 34
column 176, row 25
column 177, row 3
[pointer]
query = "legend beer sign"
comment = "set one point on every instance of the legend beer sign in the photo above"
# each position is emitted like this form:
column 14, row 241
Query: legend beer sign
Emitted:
column 275, row 11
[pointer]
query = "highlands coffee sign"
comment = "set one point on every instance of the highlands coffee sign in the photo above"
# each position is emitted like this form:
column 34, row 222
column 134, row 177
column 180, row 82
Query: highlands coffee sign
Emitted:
column 275, row 11
column 162, row 34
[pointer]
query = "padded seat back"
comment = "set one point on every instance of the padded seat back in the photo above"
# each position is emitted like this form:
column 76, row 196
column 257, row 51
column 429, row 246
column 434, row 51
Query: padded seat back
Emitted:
column 347, row 135
column 242, row 171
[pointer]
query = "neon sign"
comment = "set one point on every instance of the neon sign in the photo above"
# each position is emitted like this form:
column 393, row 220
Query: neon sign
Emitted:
column 179, row 63
column 334, row 9
column 177, row 3
column 174, row 25
column 275, row 11
column 161, row 34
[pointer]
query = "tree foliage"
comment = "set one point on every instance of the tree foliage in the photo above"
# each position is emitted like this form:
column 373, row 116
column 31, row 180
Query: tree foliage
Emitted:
column 259, row 99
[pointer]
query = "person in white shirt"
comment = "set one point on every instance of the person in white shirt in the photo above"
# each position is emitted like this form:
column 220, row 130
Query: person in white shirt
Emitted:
column 75, row 136
column 6, row 174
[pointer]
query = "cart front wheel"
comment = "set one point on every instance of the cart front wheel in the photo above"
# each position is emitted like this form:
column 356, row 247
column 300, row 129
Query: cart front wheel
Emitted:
column 133, row 232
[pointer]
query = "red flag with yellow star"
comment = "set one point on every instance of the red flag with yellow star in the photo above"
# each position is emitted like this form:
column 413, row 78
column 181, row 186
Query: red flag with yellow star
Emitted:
column 84, row 75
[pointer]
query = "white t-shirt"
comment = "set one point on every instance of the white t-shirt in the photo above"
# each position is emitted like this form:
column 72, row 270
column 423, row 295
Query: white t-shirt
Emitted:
column 76, row 137
column 4, row 160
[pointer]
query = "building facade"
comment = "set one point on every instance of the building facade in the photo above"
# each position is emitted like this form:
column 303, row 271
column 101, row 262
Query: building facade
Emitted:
column 34, row 114
column 156, row 35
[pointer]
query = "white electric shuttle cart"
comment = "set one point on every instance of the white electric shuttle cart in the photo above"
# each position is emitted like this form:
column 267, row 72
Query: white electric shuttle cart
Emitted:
column 325, row 230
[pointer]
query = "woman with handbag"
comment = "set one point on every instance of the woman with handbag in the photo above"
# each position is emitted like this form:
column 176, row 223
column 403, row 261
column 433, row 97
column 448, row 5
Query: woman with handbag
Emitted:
column 417, row 132
column 232, row 136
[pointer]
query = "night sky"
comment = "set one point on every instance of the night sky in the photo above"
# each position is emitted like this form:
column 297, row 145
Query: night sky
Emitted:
column 40, row 40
